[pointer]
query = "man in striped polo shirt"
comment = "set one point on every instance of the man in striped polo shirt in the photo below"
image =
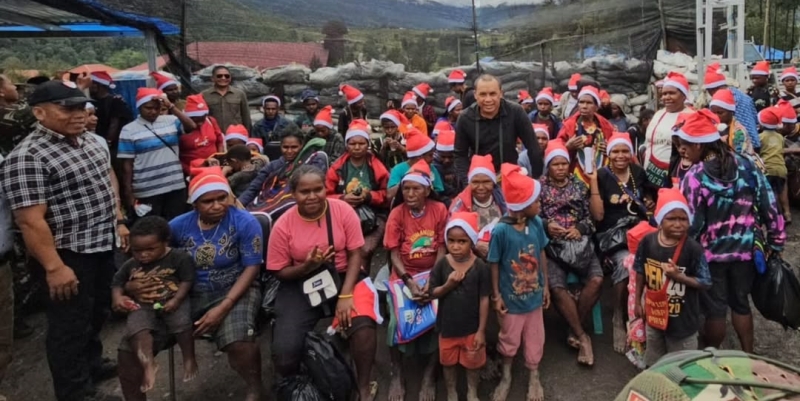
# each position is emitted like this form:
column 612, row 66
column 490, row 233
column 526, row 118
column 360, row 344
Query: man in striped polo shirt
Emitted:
column 148, row 147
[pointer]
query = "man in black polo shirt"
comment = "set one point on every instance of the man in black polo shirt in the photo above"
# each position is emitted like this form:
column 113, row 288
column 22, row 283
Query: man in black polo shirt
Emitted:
column 58, row 186
column 492, row 126
column 111, row 110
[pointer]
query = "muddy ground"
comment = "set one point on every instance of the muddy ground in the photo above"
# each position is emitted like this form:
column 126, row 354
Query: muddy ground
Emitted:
column 562, row 377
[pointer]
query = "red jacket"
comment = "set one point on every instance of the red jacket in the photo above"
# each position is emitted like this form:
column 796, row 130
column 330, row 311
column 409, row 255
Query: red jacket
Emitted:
column 379, row 178
column 200, row 144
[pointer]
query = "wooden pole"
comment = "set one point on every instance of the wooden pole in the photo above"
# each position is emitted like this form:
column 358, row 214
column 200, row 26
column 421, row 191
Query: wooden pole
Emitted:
column 765, row 38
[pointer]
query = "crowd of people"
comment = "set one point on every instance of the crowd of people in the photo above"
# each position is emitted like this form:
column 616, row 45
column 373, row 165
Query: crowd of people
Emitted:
column 506, row 207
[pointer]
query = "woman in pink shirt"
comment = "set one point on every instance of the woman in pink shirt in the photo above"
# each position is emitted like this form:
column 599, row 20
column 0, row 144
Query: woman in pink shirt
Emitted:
column 315, row 236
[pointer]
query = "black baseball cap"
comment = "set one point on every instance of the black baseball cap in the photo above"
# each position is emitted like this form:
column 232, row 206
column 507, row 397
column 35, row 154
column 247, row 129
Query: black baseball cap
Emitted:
column 64, row 93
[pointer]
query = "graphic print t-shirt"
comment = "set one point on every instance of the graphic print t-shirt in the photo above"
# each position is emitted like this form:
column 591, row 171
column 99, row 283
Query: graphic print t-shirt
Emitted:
column 684, row 307
column 517, row 254
column 417, row 238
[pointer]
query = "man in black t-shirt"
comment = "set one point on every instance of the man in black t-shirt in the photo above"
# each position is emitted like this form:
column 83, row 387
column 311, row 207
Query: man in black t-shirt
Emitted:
column 111, row 110
column 672, row 268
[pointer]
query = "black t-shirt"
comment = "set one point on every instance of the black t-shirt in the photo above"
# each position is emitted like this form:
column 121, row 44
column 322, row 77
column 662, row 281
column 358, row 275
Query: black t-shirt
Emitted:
column 613, row 209
column 684, row 306
column 459, row 310
column 174, row 268
column 108, row 108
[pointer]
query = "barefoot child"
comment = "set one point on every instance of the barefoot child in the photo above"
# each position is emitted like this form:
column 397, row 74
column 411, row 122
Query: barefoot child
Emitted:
column 462, row 283
column 155, row 261
column 671, row 270
column 519, row 279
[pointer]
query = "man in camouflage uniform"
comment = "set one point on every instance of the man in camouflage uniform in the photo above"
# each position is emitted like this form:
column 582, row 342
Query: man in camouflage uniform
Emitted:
column 16, row 122
column 762, row 93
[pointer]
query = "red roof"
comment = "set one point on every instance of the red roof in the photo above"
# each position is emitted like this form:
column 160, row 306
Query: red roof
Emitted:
column 261, row 55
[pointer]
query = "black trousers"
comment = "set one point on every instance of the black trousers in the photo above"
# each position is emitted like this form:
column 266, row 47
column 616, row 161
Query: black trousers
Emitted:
column 169, row 205
column 73, row 343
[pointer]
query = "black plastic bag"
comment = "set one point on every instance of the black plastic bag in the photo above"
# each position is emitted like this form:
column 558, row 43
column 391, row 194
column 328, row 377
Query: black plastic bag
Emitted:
column 329, row 371
column 575, row 255
column 776, row 293
column 298, row 388
column 369, row 221
column 269, row 286
column 616, row 237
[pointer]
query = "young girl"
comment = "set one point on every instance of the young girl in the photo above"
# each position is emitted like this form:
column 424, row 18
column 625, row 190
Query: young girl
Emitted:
column 154, row 261
column 519, row 279
column 462, row 283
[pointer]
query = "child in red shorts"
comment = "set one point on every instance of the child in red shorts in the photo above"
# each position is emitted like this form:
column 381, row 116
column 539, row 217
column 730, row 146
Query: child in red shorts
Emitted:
column 462, row 283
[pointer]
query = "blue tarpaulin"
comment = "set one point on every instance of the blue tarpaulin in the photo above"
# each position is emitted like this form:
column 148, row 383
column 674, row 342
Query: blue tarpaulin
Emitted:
column 773, row 54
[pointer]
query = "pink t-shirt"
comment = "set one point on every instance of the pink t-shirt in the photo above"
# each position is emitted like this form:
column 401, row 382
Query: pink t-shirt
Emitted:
column 293, row 238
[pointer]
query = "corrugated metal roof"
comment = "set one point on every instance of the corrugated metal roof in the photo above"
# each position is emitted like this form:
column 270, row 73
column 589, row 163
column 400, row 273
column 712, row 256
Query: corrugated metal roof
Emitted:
column 23, row 12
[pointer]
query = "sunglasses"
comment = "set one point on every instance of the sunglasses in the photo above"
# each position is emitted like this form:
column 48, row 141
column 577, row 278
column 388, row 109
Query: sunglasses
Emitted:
column 224, row 76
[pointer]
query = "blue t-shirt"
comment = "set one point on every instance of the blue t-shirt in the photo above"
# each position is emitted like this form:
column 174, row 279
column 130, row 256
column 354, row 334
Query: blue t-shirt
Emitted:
column 220, row 253
column 400, row 170
column 517, row 254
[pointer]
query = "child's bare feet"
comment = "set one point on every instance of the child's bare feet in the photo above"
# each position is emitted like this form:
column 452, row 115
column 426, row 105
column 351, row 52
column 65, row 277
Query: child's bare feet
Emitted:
column 585, row 354
column 501, row 391
column 397, row 390
column 428, row 390
column 189, row 369
column 473, row 379
column 150, row 370
column 573, row 341
column 535, row 390
column 620, row 333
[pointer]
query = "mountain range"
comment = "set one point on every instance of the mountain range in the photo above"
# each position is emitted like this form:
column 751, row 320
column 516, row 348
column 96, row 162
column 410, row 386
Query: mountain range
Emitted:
column 420, row 14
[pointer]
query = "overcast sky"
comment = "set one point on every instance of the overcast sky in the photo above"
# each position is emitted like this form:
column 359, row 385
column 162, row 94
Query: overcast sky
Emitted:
column 481, row 3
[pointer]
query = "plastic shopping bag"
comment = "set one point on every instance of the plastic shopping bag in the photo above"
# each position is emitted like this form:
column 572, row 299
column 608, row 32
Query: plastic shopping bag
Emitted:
column 413, row 319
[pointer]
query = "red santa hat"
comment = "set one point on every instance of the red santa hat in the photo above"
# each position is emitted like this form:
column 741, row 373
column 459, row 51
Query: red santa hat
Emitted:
column 541, row 128
column 420, row 173
column 457, row 77
column 670, row 199
column 555, row 149
column 604, row 97
column 446, row 140
column 591, row 91
column 441, row 125
column 787, row 112
column 524, row 97
column 398, row 118
column 271, row 98
column 678, row 81
column 324, row 117
column 724, row 99
column 409, row 98
column 467, row 221
column 258, row 142
column 205, row 180
column 619, row 138
column 358, row 128
column 144, row 95
column 761, row 68
column 351, row 94
column 162, row 80
column 519, row 190
column 417, row 143
column 698, row 127
column 769, row 118
column 195, row 106
column 236, row 131
column 103, row 78
column 482, row 165
column 546, row 94
column 573, row 82
column 789, row 72
column 423, row 90
column 714, row 77
column 451, row 103
column 365, row 302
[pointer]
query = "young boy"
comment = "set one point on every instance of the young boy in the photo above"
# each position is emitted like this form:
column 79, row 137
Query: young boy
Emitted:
column 443, row 162
column 155, row 261
column 462, row 283
column 236, row 134
column 519, row 279
column 775, row 127
column 669, row 257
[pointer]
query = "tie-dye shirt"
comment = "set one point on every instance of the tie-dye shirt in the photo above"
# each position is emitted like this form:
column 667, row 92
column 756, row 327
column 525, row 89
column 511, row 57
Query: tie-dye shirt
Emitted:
column 728, row 208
